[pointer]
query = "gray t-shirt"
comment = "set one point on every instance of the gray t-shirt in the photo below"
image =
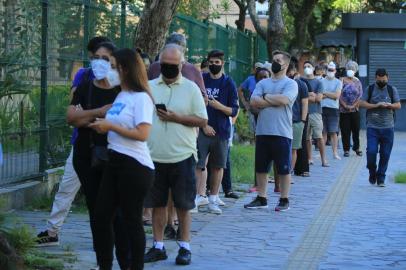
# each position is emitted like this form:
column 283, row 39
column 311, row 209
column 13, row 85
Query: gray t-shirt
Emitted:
column 380, row 117
column 276, row 121
column 331, row 86
column 316, row 88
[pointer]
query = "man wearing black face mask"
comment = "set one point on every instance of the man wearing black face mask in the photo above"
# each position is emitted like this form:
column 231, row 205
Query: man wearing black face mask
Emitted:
column 274, row 97
column 172, row 144
column 380, row 100
column 213, row 139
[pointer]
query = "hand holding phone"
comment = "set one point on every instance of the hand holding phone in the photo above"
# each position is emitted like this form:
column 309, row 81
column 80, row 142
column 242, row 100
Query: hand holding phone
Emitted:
column 160, row 107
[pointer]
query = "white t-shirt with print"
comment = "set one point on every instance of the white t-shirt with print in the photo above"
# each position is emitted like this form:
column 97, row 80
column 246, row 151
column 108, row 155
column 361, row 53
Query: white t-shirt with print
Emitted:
column 129, row 110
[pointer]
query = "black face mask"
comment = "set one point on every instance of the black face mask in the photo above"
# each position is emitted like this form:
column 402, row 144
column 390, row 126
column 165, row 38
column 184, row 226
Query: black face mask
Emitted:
column 381, row 84
column 292, row 77
column 169, row 71
column 215, row 69
column 276, row 67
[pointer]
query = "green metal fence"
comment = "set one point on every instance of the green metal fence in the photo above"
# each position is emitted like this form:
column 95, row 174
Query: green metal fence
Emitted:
column 43, row 44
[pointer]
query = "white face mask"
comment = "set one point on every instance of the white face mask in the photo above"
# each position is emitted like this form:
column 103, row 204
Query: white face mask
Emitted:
column 113, row 77
column 100, row 67
column 331, row 75
column 318, row 77
column 308, row 71
column 350, row 73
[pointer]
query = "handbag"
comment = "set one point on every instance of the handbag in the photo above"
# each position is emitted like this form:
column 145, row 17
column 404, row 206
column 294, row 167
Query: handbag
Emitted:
column 99, row 153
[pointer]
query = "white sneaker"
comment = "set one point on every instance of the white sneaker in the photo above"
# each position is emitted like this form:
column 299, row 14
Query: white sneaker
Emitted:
column 194, row 210
column 214, row 208
column 219, row 201
column 201, row 200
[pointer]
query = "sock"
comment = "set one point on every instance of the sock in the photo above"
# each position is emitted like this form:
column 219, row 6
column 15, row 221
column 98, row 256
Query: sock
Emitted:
column 185, row 245
column 212, row 198
column 159, row 245
column 52, row 234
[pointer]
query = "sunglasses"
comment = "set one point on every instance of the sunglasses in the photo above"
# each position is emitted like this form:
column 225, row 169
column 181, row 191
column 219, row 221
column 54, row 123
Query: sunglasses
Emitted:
column 331, row 70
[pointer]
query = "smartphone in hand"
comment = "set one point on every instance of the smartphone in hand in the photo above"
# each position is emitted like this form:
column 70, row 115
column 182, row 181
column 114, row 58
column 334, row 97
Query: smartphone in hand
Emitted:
column 160, row 107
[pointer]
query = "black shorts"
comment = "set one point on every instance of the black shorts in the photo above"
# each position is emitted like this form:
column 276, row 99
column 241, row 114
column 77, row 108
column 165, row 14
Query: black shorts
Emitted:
column 178, row 177
column 273, row 148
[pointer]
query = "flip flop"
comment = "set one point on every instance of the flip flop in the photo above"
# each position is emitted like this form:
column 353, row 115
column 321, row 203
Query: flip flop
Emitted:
column 325, row 165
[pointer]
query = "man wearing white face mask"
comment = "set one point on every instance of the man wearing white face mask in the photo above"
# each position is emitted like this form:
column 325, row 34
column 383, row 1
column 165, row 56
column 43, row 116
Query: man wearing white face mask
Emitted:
column 315, row 123
column 331, row 93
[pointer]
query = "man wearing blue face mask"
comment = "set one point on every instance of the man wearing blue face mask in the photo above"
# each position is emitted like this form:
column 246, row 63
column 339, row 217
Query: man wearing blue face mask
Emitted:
column 69, row 185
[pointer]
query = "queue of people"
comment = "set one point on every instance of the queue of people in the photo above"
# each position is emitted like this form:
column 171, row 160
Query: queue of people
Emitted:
column 152, row 145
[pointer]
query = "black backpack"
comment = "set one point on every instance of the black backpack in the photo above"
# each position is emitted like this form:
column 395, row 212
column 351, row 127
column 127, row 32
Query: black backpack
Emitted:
column 390, row 92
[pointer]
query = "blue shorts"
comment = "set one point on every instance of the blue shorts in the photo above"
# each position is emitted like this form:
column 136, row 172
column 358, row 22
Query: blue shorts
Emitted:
column 270, row 148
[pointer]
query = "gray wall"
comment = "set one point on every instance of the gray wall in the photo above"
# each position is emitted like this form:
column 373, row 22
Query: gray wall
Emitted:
column 363, row 37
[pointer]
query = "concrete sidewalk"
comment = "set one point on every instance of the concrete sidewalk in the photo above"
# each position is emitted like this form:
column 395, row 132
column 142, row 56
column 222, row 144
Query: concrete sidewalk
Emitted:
column 337, row 221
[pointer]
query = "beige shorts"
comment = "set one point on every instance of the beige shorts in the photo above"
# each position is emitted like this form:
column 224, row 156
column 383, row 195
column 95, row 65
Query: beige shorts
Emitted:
column 297, row 135
column 315, row 126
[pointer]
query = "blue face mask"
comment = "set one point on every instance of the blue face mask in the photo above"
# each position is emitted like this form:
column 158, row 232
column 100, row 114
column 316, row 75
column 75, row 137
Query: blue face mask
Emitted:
column 100, row 68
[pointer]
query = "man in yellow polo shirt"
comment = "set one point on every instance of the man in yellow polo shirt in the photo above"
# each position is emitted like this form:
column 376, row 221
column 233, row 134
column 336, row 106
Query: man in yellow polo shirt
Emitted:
column 180, row 108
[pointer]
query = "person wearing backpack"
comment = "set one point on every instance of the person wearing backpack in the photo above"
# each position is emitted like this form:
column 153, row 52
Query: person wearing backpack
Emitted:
column 381, row 100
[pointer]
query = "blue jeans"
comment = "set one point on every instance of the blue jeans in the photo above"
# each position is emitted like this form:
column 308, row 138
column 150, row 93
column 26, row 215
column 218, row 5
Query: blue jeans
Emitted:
column 381, row 138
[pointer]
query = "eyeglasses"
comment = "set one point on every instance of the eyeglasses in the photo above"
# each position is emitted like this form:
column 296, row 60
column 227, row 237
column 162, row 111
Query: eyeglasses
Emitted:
column 96, row 57
column 331, row 70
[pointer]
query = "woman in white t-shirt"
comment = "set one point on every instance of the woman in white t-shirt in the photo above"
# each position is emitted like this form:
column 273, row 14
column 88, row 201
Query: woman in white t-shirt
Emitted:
column 130, row 170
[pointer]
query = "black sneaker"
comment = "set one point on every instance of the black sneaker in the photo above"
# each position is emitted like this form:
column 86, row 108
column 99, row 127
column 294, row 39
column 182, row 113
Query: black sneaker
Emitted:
column 257, row 203
column 231, row 195
column 155, row 254
column 169, row 233
column 45, row 240
column 283, row 205
column 184, row 257
column 372, row 179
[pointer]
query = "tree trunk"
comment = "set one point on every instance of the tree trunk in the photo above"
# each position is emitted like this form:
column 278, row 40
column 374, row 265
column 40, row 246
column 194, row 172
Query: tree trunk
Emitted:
column 255, row 20
column 241, row 16
column 154, row 24
column 276, row 27
column 300, row 34
column 8, row 257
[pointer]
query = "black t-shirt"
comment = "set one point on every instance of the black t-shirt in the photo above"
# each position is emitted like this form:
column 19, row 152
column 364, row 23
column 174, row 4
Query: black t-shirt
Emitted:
column 99, row 98
column 297, row 106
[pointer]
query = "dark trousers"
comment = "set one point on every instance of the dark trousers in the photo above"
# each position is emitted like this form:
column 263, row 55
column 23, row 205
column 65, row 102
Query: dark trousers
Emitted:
column 302, row 161
column 226, row 181
column 90, row 180
column 350, row 125
column 124, row 186
column 379, row 140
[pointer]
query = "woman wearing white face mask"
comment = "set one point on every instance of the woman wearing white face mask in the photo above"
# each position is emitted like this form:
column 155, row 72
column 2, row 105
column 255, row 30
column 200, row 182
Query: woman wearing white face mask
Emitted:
column 90, row 101
column 349, row 109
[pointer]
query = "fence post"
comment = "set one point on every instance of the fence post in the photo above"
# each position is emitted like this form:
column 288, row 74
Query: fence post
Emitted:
column 122, row 24
column 86, row 12
column 44, row 89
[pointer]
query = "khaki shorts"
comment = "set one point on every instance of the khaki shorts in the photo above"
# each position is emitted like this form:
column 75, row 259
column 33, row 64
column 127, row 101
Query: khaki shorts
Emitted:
column 315, row 127
column 297, row 135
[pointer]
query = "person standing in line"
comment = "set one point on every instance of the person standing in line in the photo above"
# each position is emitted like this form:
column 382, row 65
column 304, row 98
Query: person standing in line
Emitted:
column 274, row 97
column 180, row 109
column 299, row 112
column 130, row 171
column 91, row 101
column 315, row 122
column 212, row 141
column 331, row 87
column 70, row 184
column 349, row 110
column 381, row 101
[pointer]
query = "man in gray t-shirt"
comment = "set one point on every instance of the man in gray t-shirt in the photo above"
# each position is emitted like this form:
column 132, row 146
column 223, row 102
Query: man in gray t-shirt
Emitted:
column 274, row 98
column 380, row 100
column 315, row 121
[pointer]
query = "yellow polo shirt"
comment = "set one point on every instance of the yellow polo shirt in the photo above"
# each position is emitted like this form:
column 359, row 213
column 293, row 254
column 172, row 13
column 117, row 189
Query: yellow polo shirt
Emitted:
column 170, row 142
